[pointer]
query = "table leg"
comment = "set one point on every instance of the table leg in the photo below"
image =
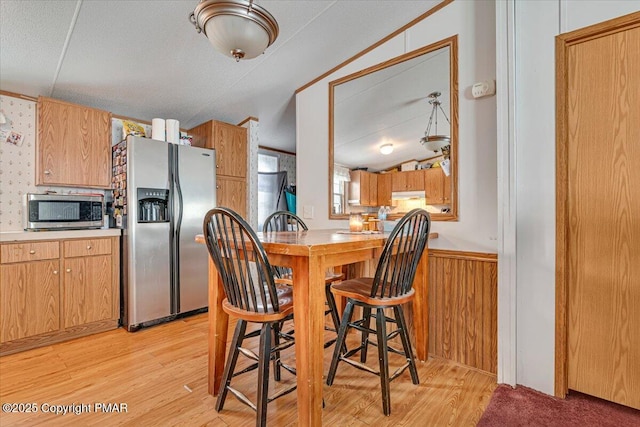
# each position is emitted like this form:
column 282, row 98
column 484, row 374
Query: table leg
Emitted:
column 308, row 312
column 218, row 324
column 421, row 308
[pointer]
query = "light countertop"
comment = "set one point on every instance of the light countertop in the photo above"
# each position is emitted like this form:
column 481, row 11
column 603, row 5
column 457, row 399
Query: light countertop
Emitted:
column 18, row 236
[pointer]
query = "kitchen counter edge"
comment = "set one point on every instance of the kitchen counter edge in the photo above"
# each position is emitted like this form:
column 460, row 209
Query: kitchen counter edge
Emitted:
column 23, row 236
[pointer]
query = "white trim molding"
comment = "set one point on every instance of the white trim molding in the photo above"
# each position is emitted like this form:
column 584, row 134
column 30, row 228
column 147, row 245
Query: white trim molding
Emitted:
column 506, row 151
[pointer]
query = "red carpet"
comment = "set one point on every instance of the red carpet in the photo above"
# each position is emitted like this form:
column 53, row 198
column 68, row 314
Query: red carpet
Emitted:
column 523, row 406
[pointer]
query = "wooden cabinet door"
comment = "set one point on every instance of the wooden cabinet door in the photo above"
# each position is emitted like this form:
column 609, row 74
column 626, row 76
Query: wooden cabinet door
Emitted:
column 434, row 186
column 446, row 189
column 408, row 181
column 371, row 195
column 384, row 189
column 74, row 145
column 230, row 143
column 415, row 180
column 232, row 193
column 29, row 299
column 88, row 291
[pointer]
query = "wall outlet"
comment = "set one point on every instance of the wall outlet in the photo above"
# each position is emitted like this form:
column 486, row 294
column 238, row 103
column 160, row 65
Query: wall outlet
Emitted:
column 482, row 89
column 307, row 212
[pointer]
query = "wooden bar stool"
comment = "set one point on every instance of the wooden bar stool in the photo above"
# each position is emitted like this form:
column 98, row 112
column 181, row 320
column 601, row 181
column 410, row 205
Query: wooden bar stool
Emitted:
column 287, row 221
column 390, row 288
column 251, row 296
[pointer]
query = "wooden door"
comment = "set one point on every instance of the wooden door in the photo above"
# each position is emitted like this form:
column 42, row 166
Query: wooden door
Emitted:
column 434, row 186
column 88, row 291
column 232, row 193
column 230, row 143
column 599, row 223
column 29, row 299
column 384, row 189
column 74, row 145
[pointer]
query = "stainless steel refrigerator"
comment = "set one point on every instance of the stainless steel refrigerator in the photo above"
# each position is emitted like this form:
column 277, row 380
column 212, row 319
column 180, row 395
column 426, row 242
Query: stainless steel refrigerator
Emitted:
column 161, row 193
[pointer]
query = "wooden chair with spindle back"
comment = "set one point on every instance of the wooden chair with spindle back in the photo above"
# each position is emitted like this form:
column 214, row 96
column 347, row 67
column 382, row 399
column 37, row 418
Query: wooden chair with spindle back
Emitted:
column 251, row 296
column 391, row 287
column 288, row 221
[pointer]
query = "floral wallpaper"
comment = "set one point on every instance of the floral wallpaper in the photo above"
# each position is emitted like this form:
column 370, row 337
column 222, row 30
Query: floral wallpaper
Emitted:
column 17, row 160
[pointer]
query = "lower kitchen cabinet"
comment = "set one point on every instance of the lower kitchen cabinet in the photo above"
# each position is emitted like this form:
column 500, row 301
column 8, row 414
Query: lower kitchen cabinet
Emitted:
column 29, row 299
column 88, row 296
column 74, row 291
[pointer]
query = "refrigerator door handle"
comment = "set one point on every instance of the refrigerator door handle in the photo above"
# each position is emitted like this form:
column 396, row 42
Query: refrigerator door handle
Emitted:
column 173, row 242
column 178, row 227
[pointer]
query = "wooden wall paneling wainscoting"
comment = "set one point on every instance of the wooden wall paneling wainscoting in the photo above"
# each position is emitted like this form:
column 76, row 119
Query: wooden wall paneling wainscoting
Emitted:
column 597, row 202
column 463, row 307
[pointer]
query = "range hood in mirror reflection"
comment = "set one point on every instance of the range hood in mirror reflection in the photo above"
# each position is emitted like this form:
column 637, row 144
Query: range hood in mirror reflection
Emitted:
column 407, row 195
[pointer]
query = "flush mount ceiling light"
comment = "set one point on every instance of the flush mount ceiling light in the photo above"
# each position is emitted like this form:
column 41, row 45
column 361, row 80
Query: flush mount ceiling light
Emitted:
column 435, row 142
column 386, row 149
column 236, row 28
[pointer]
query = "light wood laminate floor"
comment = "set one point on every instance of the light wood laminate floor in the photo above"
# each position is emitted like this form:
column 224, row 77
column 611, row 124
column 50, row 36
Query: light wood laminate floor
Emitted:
column 160, row 375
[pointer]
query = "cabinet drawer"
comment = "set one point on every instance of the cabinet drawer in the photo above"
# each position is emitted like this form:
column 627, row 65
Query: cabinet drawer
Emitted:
column 29, row 251
column 85, row 247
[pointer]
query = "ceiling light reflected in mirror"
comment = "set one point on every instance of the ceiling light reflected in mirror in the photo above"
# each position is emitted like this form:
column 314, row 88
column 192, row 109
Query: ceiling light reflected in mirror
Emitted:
column 386, row 149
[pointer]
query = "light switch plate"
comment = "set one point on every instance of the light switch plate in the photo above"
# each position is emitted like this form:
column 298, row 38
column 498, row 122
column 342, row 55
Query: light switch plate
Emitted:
column 307, row 212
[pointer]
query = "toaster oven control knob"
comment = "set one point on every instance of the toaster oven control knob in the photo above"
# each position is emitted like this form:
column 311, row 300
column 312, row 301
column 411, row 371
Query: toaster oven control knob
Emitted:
column 32, row 251
column 68, row 270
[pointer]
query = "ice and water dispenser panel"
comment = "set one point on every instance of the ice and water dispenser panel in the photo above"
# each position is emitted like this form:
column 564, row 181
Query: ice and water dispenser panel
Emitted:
column 153, row 205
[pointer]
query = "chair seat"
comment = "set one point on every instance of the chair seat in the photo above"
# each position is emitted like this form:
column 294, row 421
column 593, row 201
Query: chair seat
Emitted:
column 285, row 302
column 360, row 290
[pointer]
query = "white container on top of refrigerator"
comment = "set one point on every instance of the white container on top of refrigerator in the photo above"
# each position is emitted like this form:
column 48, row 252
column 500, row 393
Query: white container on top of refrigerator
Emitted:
column 168, row 190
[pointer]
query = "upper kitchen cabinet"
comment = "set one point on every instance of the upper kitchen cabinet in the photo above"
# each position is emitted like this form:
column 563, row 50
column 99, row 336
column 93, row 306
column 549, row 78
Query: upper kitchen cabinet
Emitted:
column 230, row 143
column 73, row 146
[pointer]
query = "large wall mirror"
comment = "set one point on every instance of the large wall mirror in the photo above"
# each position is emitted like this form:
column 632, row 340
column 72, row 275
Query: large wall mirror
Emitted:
column 393, row 135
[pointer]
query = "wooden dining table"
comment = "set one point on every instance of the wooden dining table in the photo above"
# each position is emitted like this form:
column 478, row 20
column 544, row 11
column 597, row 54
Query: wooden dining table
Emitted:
column 309, row 254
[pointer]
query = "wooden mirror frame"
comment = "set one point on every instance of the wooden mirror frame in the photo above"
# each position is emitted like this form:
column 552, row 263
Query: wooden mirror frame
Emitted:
column 452, row 43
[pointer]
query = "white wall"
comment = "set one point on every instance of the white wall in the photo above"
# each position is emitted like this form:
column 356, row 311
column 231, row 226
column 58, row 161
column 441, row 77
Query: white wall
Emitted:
column 474, row 23
column 536, row 25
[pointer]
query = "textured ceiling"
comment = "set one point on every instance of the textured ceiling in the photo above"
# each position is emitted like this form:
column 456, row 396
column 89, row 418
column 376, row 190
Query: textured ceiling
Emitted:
column 144, row 59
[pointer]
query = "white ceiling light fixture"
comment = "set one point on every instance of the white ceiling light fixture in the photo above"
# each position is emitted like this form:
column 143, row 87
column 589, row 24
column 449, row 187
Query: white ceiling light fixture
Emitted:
column 386, row 149
column 435, row 142
column 237, row 28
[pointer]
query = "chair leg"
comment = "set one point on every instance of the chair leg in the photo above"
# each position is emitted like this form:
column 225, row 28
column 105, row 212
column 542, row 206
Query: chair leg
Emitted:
column 263, row 374
column 276, row 360
column 406, row 343
column 342, row 334
column 236, row 342
column 366, row 316
column 333, row 308
column 383, row 358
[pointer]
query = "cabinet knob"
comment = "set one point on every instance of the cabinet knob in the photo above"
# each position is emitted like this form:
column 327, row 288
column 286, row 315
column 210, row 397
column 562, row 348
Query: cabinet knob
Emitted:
column 68, row 270
column 217, row 166
column 88, row 247
column 32, row 251
column 217, row 186
column 47, row 172
column 55, row 271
